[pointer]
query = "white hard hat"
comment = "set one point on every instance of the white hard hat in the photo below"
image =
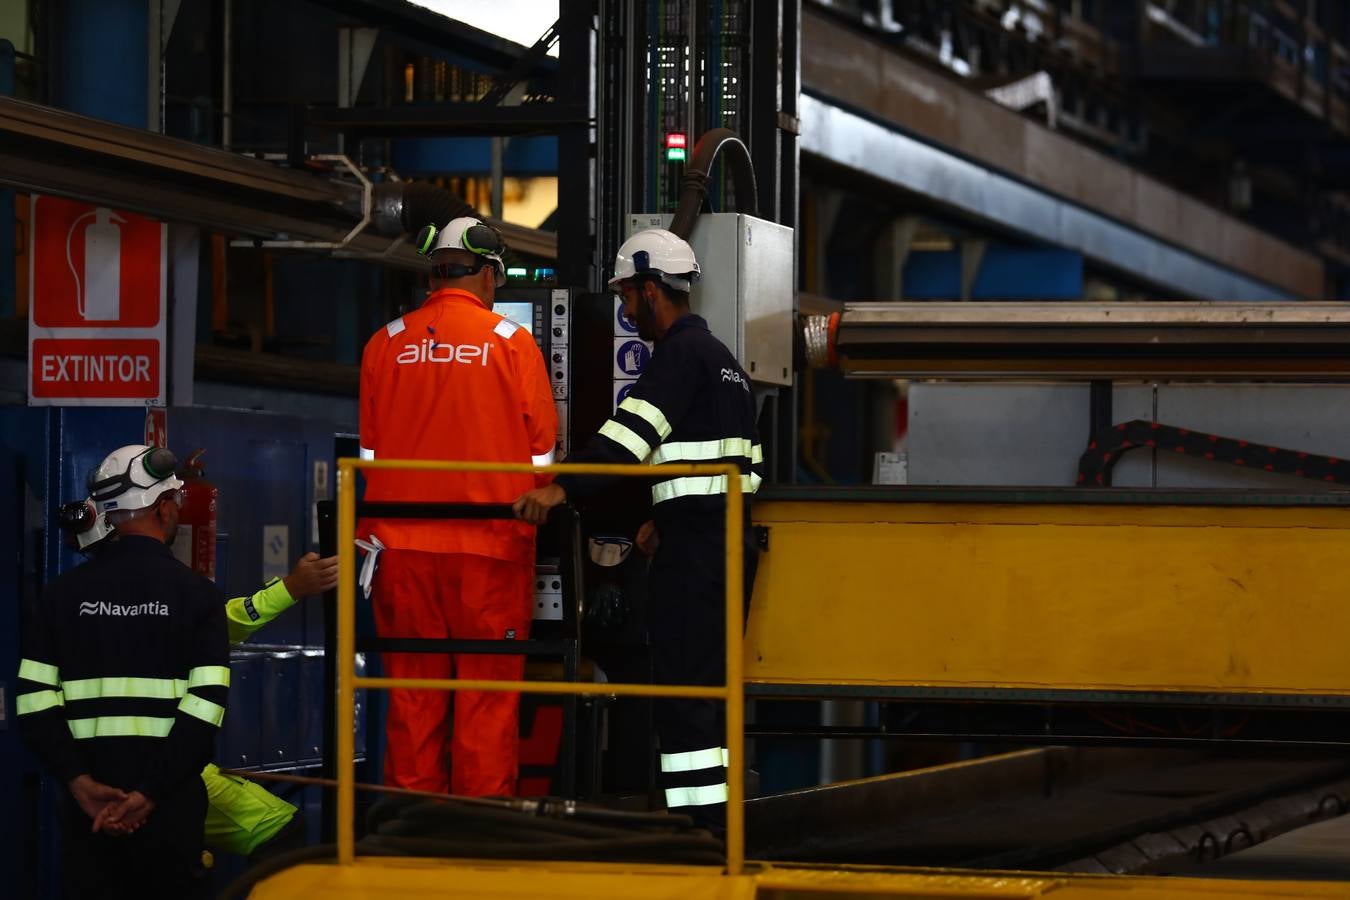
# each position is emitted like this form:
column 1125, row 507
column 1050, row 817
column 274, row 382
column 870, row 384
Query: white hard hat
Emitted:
column 657, row 252
column 132, row 477
column 469, row 234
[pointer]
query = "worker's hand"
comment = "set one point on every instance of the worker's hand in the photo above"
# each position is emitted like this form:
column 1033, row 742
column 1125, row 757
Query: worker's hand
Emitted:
column 125, row 816
column 648, row 538
column 312, row 575
column 94, row 797
column 533, row 506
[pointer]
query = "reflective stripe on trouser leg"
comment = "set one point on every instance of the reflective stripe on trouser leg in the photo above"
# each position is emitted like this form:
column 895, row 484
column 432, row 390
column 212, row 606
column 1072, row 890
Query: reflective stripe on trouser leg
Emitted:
column 690, row 760
column 698, row 795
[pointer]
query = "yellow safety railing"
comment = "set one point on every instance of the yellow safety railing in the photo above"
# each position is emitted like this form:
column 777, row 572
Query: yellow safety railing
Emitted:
column 732, row 691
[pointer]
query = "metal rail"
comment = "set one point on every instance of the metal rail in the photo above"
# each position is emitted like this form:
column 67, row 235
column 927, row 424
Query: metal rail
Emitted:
column 46, row 150
column 1083, row 340
column 731, row 692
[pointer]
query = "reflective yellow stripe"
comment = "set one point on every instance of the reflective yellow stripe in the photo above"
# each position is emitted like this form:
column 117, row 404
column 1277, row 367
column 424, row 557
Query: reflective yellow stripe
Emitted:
column 757, row 454
column 120, row 726
column 704, row 795
column 693, row 760
column 208, row 712
column 209, row 676
column 648, row 413
column 37, row 701
column 700, row 486
column 31, row 670
column 146, row 688
column 626, row 438
column 692, row 451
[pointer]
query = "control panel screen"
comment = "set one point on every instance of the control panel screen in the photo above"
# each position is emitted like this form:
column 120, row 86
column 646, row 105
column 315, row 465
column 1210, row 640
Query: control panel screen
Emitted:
column 519, row 311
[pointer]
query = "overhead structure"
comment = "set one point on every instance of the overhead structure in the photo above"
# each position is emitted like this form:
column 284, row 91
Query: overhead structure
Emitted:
column 46, row 150
column 1288, row 341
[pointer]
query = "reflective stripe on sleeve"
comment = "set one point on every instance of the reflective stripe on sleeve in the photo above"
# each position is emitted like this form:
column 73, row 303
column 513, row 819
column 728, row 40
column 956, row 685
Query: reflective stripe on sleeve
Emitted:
column 543, row 459
column 704, row 795
column 505, row 328
column 626, row 438
column 37, row 701
column 209, row 676
column 120, row 726
column 42, row 673
column 649, row 413
column 693, row 760
column 700, row 486
column 208, row 712
column 144, row 688
column 757, row 454
column 367, row 453
column 694, row 451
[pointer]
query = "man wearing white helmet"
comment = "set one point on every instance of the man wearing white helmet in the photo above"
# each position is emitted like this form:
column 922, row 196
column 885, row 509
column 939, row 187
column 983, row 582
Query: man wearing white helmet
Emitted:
column 692, row 404
column 122, row 687
column 242, row 816
column 454, row 380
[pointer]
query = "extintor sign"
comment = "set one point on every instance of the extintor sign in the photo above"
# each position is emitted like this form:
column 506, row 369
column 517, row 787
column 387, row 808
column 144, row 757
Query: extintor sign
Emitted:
column 97, row 292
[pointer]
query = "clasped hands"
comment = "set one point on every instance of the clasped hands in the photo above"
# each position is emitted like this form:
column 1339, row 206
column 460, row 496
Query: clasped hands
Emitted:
column 111, row 810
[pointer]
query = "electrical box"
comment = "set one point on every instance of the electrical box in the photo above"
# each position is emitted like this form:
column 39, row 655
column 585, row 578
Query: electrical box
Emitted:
column 746, row 289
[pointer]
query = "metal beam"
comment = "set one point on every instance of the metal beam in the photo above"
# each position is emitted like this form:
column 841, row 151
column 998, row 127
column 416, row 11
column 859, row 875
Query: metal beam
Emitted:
column 1094, row 340
column 44, row 150
column 835, row 135
column 451, row 119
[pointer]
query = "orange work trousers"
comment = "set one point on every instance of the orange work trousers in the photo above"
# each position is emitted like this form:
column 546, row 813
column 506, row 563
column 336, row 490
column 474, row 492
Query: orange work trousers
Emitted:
column 462, row 597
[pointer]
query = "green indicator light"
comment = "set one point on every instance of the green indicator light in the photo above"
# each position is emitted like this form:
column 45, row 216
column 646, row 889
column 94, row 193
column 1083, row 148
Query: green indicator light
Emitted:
column 675, row 154
column 516, row 272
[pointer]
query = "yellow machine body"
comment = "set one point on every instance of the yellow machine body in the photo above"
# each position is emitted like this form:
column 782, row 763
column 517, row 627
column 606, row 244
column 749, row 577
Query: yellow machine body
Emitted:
column 1053, row 597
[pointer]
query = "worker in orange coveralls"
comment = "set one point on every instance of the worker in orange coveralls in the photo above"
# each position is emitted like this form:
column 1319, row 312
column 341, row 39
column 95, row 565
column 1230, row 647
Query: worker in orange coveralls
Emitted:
column 453, row 380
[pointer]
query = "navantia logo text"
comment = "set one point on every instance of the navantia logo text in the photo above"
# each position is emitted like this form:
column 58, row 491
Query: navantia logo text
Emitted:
column 428, row 351
column 104, row 608
column 734, row 376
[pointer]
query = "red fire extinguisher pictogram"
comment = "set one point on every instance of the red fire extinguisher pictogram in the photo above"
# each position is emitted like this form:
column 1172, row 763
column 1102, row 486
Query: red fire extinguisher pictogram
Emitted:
column 199, row 514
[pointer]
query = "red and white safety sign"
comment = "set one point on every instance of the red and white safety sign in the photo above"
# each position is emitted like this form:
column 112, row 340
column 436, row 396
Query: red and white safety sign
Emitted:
column 97, row 294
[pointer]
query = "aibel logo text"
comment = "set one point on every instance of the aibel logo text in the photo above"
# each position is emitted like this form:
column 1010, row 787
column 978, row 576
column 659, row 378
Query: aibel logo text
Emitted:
column 428, row 351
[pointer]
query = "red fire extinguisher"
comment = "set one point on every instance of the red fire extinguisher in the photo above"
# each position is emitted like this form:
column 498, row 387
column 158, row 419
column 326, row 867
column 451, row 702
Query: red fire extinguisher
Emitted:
column 199, row 514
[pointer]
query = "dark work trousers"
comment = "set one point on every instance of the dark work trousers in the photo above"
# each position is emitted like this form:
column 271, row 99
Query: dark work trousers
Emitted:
column 163, row 860
column 687, row 629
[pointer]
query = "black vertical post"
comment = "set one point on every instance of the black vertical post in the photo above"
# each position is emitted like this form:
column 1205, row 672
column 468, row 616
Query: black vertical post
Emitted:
column 1099, row 413
column 774, row 85
column 576, row 239
column 327, row 512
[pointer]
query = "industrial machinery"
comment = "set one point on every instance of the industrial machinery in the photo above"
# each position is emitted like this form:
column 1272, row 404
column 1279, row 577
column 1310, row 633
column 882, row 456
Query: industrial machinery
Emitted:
column 1192, row 605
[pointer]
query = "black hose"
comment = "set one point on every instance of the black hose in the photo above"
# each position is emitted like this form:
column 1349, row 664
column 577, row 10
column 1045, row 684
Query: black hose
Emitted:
column 694, row 185
column 552, row 831
column 427, row 204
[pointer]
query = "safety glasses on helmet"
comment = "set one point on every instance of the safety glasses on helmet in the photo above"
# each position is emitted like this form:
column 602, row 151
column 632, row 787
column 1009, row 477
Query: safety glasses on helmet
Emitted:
column 479, row 239
column 157, row 462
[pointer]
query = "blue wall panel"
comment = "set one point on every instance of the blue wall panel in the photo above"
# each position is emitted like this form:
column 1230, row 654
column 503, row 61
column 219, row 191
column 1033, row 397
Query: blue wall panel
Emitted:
column 473, row 156
column 1005, row 273
column 1035, row 273
column 102, row 66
